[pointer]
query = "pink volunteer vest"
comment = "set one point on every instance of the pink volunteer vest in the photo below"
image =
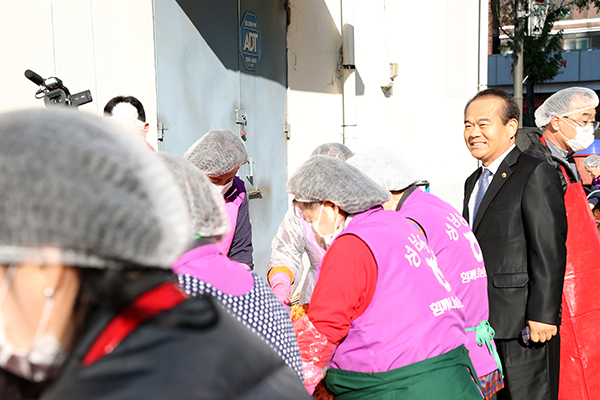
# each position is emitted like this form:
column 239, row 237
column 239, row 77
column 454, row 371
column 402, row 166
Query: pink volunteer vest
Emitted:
column 413, row 315
column 460, row 258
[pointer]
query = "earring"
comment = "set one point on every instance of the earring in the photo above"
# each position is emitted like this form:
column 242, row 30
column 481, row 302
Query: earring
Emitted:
column 48, row 292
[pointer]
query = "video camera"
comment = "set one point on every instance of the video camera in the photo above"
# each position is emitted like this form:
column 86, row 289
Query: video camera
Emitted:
column 55, row 93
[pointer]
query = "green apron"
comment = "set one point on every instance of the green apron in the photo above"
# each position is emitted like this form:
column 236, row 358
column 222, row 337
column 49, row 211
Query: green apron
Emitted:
column 443, row 377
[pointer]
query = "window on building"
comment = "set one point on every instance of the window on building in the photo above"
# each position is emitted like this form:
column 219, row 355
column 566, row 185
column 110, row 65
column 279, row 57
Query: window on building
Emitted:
column 595, row 40
column 581, row 41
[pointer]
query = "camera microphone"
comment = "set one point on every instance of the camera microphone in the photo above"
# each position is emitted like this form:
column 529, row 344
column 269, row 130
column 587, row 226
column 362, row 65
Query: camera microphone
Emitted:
column 55, row 93
column 35, row 78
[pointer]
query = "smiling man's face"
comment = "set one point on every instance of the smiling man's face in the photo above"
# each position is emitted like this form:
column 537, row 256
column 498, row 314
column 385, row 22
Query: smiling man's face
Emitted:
column 486, row 136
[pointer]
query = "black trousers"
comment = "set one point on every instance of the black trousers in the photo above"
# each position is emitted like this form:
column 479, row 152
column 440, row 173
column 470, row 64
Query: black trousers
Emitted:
column 530, row 372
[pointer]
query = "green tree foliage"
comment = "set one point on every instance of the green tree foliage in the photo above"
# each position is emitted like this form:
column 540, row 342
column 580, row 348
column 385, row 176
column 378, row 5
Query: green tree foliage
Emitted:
column 545, row 48
column 541, row 55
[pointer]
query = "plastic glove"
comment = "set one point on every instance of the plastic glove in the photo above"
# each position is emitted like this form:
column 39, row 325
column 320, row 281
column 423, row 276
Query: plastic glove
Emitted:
column 281, row 285
column 315, row 350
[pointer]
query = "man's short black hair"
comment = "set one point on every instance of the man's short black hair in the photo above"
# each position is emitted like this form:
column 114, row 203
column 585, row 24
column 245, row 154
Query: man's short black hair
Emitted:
column 510, row 108
column 108, row 108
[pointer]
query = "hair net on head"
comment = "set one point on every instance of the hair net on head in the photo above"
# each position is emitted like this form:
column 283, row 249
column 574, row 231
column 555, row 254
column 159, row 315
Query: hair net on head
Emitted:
column 385, row 168
column 70, row 181
column 334, row 149
column 206, row 204
column 323, row 178
column 591, row 161
column 564, row 102
column 217, row 152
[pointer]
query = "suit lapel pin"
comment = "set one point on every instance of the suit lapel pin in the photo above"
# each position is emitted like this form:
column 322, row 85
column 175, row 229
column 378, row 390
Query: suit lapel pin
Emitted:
column 504, row 174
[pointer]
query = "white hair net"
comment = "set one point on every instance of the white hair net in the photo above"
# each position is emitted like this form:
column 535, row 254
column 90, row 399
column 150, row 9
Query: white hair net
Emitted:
column 564, row 102
column 334, row 149
column 217, row 152
column 591, row 161
column 324, row 178
column 70, row 181
column 206, row 203
column 386, row 168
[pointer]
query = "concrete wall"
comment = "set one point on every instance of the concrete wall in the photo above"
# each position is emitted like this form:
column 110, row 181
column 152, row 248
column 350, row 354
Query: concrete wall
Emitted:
column 436, row 49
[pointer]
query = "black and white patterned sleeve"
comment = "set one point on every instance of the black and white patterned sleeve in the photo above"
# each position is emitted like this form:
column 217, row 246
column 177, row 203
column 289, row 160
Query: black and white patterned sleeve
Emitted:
column 260, row 311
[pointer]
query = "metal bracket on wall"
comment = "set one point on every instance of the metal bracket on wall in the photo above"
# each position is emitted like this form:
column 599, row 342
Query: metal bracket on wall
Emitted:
column 255, row 194
column 287, row 132
column 241, row 118
column 162, row 127
column 250, row 175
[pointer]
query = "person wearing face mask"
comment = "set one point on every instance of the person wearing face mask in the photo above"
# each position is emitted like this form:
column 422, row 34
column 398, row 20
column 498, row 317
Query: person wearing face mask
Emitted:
column 455, row 246
column 569, row 121
column 568, row 118
column 203, row 270
column 220, row 154
column 294, row 238
column 383, row 322
column 86, row 293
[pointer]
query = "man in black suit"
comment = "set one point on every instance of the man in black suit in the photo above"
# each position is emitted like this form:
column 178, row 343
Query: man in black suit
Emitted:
column 514, row 203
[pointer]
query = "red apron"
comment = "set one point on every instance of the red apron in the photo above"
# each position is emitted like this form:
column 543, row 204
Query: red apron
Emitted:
column 579, row 349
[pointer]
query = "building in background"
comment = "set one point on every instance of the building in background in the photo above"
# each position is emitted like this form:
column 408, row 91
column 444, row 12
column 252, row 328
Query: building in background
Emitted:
column 288, row 75
column 581, row 55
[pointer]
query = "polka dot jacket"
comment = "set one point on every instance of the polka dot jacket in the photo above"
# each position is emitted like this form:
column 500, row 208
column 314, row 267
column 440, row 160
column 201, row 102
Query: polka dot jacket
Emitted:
column 260, row 311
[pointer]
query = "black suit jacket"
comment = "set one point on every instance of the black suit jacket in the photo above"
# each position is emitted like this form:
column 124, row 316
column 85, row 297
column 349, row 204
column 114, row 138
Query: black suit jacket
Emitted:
column 521, row 227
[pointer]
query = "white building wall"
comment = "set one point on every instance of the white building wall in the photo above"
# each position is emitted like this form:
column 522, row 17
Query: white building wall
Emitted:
column 436, row 49
column 106, row 46
column 314, row 79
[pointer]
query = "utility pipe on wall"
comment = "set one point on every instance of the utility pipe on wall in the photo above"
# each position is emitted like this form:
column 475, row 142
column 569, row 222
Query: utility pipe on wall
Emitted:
column 349, row 76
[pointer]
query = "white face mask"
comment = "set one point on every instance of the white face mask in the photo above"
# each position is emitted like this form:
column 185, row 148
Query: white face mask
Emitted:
column 584, row 137
column 225, row 188
column 327, row 239
column 45, row 356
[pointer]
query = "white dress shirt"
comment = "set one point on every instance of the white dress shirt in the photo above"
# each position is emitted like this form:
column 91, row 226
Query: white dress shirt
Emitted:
column 493, row 168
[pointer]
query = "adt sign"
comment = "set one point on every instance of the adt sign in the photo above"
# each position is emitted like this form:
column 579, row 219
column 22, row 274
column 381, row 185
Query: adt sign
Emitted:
column 250, row 41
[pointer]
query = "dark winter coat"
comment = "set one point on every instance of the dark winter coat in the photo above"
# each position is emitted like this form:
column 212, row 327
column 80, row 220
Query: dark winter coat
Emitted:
column 195, row 350
column 531, row 144
column 594, row 196
column 16, row 388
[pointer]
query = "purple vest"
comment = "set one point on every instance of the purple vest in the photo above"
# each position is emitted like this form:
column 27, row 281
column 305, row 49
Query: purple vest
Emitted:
column 414, row 315
column 233, row 201
column 208, row 264
column 460, row 257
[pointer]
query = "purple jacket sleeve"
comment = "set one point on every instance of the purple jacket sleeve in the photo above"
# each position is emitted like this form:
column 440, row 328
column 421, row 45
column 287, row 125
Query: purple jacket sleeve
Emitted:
column 241, row 246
